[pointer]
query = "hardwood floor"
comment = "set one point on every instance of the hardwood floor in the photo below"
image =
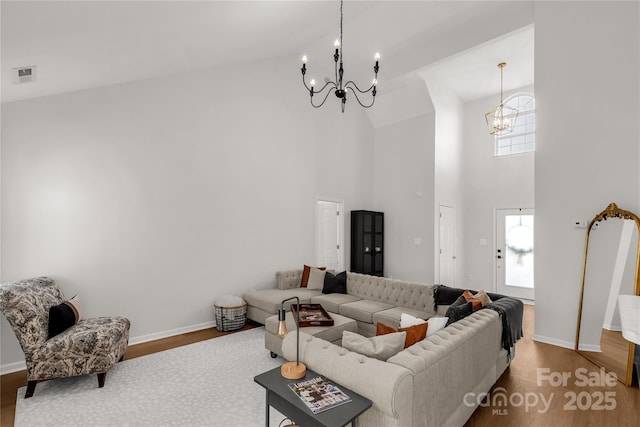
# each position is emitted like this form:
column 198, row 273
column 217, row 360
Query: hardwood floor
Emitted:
column 525, row 377
column 520, row 380
column 614, row 354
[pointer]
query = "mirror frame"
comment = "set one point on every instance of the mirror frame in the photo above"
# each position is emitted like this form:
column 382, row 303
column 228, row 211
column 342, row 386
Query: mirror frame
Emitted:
column 612, row 211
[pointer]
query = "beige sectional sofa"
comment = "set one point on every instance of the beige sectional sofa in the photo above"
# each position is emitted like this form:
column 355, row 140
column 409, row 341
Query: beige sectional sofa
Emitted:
column 369, row 299
column 435, row 382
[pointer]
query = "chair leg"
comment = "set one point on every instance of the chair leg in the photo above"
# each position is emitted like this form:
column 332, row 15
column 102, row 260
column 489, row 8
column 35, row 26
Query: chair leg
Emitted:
column 101, row 378
column 31, row 387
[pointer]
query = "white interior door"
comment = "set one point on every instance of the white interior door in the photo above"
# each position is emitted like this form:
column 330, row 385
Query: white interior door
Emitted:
column 514, row 253
column 329, row 234
column 447, row 246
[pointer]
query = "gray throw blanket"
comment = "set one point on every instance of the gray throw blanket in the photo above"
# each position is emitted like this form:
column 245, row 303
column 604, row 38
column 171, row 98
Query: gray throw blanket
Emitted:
column 511, row 311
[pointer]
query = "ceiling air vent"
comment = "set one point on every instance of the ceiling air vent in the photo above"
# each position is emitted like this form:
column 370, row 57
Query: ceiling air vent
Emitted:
column 24, row 74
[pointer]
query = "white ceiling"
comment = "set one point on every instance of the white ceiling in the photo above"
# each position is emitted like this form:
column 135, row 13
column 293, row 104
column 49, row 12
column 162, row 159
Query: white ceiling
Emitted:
column 474, row 74
column 83, row 44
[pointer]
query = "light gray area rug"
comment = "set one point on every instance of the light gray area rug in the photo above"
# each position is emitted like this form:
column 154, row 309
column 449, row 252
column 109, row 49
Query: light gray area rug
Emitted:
column 209, row 383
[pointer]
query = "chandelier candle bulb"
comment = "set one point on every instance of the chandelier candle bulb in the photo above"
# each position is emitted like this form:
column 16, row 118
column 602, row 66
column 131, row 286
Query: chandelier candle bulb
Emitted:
column 339, row 87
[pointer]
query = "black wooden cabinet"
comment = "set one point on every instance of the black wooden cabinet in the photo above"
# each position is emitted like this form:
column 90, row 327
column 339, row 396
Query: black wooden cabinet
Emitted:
column 367, row 242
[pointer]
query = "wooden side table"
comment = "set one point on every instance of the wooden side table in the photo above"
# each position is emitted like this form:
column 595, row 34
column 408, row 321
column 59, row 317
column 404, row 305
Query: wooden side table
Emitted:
column 282, row 398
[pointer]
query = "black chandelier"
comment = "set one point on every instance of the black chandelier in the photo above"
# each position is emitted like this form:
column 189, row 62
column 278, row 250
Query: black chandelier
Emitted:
column 341, row 90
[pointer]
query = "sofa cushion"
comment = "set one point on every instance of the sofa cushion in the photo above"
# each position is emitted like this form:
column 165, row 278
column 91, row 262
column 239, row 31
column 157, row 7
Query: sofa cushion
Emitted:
column 459, row 310
column 269, row 300
column 331, row 302
column 483, row 297
column 392, row 316
column 63, row 316
column 477, row 304
column 335, row 283
column 414, row 333
column 306, row 271
column 407, row 320
column 436, row 323
column 379, row 347
column 316, row 279
column 363, row 310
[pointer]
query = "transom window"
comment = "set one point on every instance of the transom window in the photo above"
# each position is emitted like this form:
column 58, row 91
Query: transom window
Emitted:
column 523, row 137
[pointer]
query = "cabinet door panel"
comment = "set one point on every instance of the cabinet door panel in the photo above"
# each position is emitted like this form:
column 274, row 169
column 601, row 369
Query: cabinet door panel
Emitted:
column 367, row 242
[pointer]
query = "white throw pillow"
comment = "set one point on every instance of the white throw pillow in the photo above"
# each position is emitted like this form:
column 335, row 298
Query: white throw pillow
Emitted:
column 380, row 347
column 435, row 324
column 407, row 320
column 316, row 279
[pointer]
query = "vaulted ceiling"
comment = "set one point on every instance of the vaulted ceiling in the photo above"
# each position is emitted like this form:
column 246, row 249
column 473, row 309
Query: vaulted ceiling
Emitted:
column 84, row 44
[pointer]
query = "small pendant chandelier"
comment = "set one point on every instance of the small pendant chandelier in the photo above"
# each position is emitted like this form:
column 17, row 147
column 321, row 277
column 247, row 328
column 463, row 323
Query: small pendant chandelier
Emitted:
column 501, row 119
column 341, row 90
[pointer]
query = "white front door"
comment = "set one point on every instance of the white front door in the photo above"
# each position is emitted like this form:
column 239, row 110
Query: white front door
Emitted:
column 514, row 253
column 447, row 246
column 329, row 235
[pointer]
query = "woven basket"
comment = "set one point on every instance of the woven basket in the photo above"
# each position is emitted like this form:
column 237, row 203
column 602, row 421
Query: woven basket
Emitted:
column 230, row 318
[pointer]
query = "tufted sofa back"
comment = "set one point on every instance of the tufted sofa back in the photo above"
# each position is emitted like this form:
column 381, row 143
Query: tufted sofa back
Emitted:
column 391, row 291
column 288, row 279
column 418, row 296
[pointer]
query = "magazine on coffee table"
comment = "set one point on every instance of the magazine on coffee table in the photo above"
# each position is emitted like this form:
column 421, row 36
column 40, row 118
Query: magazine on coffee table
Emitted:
column 319, row 394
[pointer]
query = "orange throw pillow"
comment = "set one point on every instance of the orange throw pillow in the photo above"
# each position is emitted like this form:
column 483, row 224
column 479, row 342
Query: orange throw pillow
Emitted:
column 305, row 275
column 477, row 304
column 414, row 333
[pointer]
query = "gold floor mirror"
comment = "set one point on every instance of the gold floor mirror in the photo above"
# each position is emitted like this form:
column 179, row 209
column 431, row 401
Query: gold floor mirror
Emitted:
column 610, row 269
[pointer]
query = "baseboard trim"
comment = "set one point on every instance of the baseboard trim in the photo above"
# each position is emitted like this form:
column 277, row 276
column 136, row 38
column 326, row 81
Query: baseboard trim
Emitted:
column 21, row 365
column 171, row 333
column 9, row 368
column 554, row 341
column 594, row 348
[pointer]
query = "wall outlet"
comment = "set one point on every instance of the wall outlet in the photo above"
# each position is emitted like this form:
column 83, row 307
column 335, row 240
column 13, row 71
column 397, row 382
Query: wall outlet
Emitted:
column 581, row 223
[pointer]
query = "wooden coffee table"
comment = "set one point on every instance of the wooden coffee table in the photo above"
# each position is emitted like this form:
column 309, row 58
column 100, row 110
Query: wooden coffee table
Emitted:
column 282, row 398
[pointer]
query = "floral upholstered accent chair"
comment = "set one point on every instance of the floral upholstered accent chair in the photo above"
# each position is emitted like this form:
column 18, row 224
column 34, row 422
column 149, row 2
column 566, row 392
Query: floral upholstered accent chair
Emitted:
column 89, row 346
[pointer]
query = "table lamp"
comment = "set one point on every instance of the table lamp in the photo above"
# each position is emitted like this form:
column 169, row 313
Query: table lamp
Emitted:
column 291, row 370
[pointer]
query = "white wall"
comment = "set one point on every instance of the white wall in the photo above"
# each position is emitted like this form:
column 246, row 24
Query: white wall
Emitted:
column 449, row 111
column 587, row 141
column 150, row 199
column 489, row 183
column 403, row 181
